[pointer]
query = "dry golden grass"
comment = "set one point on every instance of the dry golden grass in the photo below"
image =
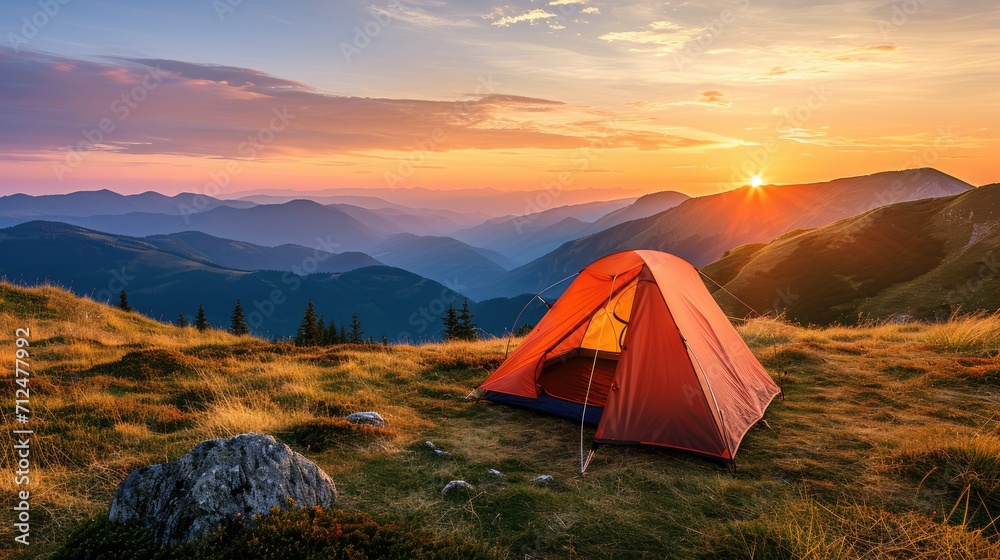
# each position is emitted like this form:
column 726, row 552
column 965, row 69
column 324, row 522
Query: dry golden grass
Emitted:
column 887, row 447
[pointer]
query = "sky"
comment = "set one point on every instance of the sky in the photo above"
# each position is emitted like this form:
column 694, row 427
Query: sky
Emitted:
column 227, row 96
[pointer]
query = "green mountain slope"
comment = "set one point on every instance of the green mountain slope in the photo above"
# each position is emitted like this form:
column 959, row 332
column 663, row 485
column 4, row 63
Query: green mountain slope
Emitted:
column 921, row 259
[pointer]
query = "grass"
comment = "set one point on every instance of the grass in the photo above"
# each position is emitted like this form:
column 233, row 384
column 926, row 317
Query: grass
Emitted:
column 888, row 445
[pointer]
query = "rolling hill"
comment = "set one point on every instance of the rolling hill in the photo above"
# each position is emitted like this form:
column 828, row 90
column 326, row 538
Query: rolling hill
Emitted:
column 489, row 200
column 390, row 301
column 105, row 202
column 646, row 206
column 524, row 238
column 440, row 221
column 443, row 259
column 701, row 229
column 299, row 222
column 922, row 259
column 247, row 256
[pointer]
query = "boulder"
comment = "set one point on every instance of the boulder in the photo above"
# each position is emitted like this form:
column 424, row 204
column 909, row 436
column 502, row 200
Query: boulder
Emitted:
column 217, row 483
column 367, row 418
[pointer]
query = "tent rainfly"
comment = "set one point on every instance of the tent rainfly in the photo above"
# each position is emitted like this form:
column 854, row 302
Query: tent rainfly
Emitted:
column 638, row 347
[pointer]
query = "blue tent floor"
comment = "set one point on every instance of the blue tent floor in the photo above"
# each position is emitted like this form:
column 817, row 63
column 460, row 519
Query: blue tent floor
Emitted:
column 550, row 405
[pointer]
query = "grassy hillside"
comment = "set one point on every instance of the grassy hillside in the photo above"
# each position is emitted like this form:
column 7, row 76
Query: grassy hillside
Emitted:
column 920, row 259
column 887, row 446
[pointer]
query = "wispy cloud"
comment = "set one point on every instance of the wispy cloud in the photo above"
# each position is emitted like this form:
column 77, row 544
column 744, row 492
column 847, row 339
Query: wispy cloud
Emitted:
column 659, row 36
column 710, row 98
column 530, row 17
column 410, row 13
column 208, row 110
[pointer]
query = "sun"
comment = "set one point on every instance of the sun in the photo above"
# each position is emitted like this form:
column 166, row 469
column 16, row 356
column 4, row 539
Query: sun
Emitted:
column 756, row 181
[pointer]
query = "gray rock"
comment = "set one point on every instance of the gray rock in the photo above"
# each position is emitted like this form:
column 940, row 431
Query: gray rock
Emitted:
column 543, row 479
column 456, row 485
column 216, row 483
column 495, row 473
column 369, row 418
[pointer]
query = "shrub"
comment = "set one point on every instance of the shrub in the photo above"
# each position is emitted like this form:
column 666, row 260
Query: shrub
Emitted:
column 323, row 433
column 303, row 534
column 143, row 365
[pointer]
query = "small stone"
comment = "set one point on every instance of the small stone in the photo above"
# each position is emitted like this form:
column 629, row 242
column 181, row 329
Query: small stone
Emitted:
column 543, row 479
column 442, row 453
column 428, row 443
column 370, row 418
column 495, row 473
column 456, row 485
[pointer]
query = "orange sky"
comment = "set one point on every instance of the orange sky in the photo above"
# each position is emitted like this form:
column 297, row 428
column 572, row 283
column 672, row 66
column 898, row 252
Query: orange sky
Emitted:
column 579, row 94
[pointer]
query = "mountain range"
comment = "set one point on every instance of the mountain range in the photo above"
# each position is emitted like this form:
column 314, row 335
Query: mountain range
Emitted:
column 700, row 229
column 914, row 260
column 162, row 283
column 913, row 243
column 92, row 203
column 525, row 238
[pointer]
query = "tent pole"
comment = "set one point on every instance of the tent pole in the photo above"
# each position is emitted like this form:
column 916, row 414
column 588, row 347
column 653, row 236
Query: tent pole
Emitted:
column 539, row 296
column 590, row 457
column 593, row 366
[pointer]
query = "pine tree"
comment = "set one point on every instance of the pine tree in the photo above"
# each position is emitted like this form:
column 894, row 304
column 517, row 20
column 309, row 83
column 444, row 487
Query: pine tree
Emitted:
column 181, row 321
column 342, row 339
column 385, row 341
column 238, row 322
column 200, row 320
column 357, row 335
column 466, row 328
column 320, row 331
column 450, row 324
column 123, row 302
column 307, row 335
column 330, row 336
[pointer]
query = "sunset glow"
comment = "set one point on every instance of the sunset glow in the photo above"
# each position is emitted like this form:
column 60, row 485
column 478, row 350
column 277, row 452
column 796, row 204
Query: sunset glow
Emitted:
column 756, row 181
column 447, row 95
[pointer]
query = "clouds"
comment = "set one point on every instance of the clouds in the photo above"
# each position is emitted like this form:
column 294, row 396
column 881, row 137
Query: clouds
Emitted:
column 660, row 36
column 530, row 17
column 711, row 98
column 210, row 111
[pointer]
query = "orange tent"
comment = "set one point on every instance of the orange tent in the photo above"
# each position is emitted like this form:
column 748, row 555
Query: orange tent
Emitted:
column 638, row 347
